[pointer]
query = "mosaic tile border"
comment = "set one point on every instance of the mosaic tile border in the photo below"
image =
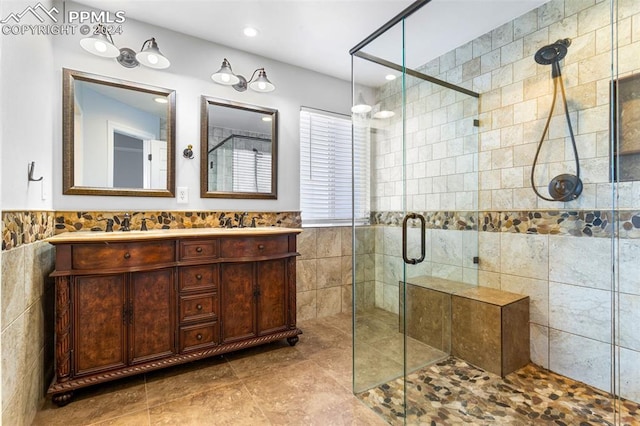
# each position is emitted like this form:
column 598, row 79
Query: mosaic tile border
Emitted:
column 457, row 220
column 24, row 227
column 71, row 221
column 577, row 223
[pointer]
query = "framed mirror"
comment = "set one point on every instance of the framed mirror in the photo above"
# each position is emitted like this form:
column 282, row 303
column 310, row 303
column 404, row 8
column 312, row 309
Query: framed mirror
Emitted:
column 238, row 150
column 118, row 137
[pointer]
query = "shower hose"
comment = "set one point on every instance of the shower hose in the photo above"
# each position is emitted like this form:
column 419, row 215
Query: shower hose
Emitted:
column 557, row 80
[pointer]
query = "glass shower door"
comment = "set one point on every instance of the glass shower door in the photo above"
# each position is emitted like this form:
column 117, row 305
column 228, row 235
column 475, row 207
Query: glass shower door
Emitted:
column 421, row 239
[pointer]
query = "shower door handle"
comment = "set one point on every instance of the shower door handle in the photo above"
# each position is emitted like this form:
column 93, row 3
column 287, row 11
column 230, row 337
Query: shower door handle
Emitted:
column 422, row 238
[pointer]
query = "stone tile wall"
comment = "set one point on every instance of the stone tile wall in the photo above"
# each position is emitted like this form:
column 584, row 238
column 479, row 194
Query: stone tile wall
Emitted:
column 324, row 272
column 27, row 329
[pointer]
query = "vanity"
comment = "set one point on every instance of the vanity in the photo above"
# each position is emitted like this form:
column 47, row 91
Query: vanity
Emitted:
column 131, row 302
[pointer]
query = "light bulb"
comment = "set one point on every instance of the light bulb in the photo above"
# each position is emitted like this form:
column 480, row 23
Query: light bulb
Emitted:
column 100, row 46
column 262, row 85
column 224, row 77
column 153, row 59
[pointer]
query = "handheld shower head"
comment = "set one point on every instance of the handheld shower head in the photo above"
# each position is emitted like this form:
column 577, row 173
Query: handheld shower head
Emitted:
column 565, row 187
column 551, row 53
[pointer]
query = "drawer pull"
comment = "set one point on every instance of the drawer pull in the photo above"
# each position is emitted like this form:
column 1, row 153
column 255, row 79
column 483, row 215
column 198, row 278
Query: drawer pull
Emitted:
column 127, row 255
column 260, row 246
column 198, row 276
column 198, row 249
column 199, row 307
column 199, row 336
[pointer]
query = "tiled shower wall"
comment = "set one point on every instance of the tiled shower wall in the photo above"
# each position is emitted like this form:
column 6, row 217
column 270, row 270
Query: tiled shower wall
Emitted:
column 452, row 166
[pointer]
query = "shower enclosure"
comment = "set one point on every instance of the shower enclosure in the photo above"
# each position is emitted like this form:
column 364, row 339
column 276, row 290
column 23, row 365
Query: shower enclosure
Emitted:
column 451, row 135
column 240, row 163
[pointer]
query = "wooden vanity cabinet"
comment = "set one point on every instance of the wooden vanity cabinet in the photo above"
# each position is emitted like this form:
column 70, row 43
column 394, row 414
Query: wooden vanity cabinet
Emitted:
column 166, row 300
column 122, row 319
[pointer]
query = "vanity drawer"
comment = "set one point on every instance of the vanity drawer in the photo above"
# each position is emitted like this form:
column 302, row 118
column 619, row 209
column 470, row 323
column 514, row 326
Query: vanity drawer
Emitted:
column 199, row 249
column 254, row 247
column 192, row 278
column 200, row 307
column 199, row 336
column 122, row 255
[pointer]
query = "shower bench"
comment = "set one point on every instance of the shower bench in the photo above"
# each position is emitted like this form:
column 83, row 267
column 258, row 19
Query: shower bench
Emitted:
column 484, row 326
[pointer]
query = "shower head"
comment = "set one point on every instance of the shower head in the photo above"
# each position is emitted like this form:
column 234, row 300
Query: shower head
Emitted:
column 552, row 53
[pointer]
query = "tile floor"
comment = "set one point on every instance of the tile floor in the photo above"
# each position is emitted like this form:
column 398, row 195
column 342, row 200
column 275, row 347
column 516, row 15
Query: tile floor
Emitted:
column 310, row 384
column 274, row 384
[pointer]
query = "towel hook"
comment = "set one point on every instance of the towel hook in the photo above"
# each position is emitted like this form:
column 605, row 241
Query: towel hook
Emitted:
column 32, row 166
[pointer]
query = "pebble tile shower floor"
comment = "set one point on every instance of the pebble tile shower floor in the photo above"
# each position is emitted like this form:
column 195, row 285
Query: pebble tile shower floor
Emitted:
column 454, row 392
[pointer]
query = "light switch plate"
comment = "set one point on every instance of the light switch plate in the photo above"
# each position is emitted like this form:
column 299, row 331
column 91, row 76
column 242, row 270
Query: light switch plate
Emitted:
column 183, row 195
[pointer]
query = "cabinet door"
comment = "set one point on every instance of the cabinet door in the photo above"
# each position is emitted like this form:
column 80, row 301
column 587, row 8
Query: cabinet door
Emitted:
column 272, row 299
column 152, row 315
column 237, row 292
column 99, row 306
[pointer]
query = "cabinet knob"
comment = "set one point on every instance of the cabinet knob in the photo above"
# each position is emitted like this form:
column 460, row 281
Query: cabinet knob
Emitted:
column 199, row 307
column 199, row 336
column 198, row 249
column 198, row 276
column 260, row 246
column 127, row 255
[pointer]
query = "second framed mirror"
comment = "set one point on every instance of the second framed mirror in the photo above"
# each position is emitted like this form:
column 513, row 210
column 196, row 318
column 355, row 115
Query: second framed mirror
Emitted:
column 238, row 150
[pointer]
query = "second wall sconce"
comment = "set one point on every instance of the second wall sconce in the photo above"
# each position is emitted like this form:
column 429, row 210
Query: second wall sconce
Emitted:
column 101, row 44
column 226, row 77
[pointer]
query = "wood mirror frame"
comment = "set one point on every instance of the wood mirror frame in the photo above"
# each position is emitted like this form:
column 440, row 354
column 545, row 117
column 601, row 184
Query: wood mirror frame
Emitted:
column 205, row 122
column 69, row 186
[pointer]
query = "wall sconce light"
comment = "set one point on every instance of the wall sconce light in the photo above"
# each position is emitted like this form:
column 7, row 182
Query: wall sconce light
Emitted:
column 188, row 152
column 226, row 77
column 101, row 44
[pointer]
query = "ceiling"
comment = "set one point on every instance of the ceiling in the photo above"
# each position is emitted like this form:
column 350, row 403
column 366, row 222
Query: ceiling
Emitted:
column 318, row 34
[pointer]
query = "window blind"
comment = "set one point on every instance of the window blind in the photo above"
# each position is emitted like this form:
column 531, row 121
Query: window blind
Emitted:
column 325, row 169
column 251, row 171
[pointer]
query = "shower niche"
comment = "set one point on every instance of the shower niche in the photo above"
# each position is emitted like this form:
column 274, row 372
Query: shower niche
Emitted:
column 626, row 125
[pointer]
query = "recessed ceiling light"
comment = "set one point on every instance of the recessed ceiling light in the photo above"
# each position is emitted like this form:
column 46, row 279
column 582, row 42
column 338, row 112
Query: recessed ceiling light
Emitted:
column 250, row 32
column 266, row 119
column 161, row 100
column 390, row 77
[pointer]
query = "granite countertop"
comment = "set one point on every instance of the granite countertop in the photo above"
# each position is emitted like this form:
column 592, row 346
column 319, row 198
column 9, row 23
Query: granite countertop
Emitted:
column 154, row 234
